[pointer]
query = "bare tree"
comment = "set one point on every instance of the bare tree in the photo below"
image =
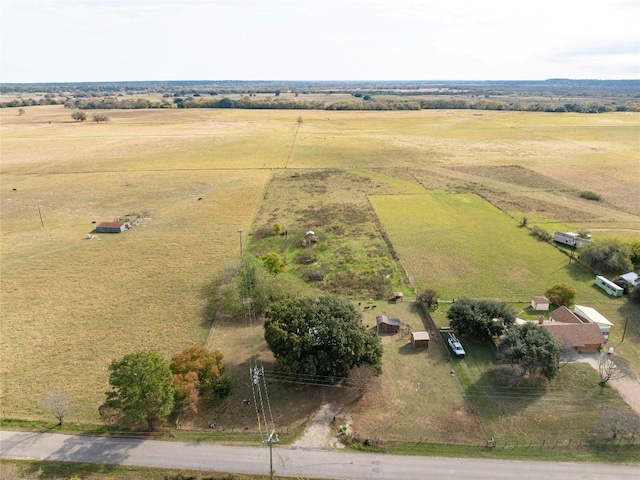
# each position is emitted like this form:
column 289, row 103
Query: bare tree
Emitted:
column 57, row 403
column 618, row 423
column 608, row 369
column 364, row 378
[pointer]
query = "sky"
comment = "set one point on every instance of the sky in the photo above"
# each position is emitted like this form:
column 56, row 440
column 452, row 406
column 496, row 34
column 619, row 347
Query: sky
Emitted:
column 138, row 40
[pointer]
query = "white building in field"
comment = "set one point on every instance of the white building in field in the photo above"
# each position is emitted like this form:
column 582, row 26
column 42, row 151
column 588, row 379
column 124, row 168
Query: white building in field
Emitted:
column 540, row 303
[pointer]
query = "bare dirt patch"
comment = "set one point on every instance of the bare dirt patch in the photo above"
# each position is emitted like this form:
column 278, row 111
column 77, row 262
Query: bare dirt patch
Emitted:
column 323, row 430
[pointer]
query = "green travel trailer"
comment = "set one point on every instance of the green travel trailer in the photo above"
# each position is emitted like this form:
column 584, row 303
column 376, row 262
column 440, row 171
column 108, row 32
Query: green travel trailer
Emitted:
column 608, row 286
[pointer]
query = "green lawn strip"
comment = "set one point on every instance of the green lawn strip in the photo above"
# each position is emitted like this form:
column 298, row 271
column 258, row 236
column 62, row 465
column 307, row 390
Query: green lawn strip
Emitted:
column 550, row 452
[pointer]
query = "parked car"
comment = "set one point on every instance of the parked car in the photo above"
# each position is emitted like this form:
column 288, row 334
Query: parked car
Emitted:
column 456, row 346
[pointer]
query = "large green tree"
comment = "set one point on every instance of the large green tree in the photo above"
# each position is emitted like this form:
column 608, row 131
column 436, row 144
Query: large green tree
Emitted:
column 322, row 337
column 532, row 349
column 608, row 255
column 480, row 318
column 141, row 388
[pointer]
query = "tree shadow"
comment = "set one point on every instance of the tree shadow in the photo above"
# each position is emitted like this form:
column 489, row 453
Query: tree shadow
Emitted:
column 77, row 449
column 631, row 313
column 500, row 391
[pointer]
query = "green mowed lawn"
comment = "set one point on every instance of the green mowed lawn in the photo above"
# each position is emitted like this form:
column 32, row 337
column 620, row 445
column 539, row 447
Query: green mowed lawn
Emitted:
column 462, row 246
column 570, row 407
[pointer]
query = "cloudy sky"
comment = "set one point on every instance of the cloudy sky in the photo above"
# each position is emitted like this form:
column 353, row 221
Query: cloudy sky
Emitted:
column 119, row 40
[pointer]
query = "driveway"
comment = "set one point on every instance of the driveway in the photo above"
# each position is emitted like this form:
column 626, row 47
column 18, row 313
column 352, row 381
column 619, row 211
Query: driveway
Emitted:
column 297, row 463
column 628, row 388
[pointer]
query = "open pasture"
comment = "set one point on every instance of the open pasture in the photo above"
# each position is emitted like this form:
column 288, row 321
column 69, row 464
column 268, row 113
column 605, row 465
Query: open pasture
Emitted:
column 571, row 149
column 71, row 305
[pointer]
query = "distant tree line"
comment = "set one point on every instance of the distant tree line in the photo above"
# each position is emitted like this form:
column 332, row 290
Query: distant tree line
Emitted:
column 366, row 102
column 554, row 95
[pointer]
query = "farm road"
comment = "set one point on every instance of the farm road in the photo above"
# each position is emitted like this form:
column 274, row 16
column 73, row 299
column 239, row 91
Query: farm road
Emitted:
column 290, row 462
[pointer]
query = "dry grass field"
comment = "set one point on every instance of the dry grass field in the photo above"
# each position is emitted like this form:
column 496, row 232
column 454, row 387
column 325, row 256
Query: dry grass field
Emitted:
column 71, row 305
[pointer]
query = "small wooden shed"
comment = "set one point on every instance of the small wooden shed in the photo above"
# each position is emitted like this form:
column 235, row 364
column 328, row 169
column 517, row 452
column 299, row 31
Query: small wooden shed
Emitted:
column 385, row 324
column 398, row 296
column 420, row 339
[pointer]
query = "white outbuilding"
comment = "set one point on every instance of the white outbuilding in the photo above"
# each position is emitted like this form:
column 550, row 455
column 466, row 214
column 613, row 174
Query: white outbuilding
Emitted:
column 540, row 303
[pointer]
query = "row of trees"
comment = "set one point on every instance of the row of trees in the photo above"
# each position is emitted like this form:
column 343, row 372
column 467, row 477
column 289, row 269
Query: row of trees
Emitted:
column 363, row 102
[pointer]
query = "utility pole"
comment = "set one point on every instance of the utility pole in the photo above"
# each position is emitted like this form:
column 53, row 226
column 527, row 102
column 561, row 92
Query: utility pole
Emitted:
column 240, row 232
column 273, row 438
column 40, row 213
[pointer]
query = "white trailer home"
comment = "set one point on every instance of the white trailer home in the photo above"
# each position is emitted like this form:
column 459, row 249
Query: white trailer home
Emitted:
column 570, row 238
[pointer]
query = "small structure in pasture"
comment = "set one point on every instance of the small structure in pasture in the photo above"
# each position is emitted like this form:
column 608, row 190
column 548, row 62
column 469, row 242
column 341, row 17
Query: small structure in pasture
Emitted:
column 420, row 340
column 540, row 303
column 385, row 324
column 608, row 286
column 632, row 279
column 398, row 296
column 112, row 227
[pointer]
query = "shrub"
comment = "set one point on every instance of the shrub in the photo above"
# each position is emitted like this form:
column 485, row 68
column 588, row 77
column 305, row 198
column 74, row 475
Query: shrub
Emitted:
column 561, row 294
column 542, row 234
column 587, row 195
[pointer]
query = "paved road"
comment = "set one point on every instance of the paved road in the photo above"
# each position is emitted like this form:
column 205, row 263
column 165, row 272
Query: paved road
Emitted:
column 308, row 463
